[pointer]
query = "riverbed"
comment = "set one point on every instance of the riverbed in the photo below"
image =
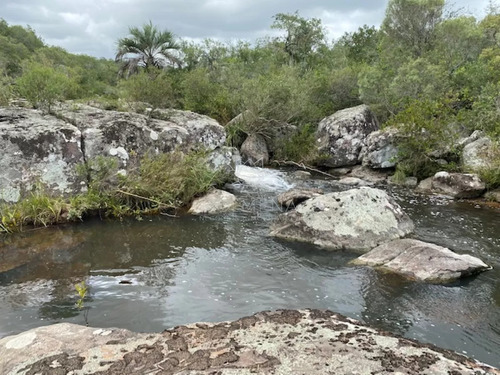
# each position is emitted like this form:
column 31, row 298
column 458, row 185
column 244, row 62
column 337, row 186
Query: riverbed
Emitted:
column 151, row 273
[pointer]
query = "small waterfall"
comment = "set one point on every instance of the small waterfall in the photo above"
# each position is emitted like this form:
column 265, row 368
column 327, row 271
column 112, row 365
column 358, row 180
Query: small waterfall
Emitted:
column 266, row 179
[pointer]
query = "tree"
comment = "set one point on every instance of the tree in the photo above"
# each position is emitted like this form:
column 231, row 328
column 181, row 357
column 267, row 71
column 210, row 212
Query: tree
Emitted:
column 302, row 35
column 410, row 24
column 148, row 48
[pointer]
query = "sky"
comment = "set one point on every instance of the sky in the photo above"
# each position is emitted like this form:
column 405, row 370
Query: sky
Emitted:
column 93, row 27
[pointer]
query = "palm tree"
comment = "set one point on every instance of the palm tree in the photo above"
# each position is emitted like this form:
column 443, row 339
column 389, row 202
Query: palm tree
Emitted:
column 147, row 47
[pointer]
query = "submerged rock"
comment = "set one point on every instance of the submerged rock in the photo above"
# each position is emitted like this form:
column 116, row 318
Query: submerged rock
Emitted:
column 216, row 201
column 356, row 219
column 294, row 197
column 458, row 185
column 422, row 261
column 342, row 136
column 281, row 342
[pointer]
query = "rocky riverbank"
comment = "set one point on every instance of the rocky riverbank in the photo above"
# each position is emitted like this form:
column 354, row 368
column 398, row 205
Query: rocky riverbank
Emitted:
column 280, row 342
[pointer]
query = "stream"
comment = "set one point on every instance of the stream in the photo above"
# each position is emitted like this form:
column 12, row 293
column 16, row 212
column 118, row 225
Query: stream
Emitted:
column 152, row 273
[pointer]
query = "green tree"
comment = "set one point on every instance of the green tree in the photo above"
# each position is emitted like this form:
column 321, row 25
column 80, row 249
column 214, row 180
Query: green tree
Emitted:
column 147, row 47
column 43, row 85
column 302, row 35
column 410, row 25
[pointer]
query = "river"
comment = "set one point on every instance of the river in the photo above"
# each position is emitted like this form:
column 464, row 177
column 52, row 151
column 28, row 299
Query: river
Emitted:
column 151, row 273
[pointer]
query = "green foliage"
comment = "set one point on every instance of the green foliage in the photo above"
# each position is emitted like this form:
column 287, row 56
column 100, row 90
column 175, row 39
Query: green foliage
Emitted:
column 154, row 89
column 43, row 85
column 81, row 290
column 300, row 148
column 425, row 137
column 168, row 180
column 302, row 35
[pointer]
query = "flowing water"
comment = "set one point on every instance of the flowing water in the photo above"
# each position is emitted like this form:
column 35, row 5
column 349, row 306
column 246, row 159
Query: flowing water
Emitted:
column 160, row 272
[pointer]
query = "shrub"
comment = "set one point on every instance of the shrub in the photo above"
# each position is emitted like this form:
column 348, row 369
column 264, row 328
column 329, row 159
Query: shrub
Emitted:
column 43, row 85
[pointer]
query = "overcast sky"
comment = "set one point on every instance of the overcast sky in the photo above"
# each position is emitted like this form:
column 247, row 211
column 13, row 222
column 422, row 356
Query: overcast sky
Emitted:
column 92, row 27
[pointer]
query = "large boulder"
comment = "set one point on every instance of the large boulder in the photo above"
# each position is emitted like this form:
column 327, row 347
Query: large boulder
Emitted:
column 125, row 134
column 458, row 185
column 380, row 150
column 38, row 151
column 310, row 342
column 422, row 261
column 477, row 154
column 356, row 219
column 215, row 202
column 342, row 136
column 254, row 150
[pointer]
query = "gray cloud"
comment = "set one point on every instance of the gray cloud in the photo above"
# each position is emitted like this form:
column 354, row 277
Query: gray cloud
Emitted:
column 93, row 26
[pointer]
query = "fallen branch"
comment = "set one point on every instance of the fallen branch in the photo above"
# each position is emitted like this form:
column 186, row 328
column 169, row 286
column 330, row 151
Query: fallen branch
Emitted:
column 303, row 166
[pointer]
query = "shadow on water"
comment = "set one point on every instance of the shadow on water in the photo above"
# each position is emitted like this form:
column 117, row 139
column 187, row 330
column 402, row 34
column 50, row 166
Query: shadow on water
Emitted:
column 160, row 272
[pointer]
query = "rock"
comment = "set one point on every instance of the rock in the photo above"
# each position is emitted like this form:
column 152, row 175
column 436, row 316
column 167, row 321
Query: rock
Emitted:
column 458, row 185
column 294, row 197
column 339, row 171
column 422, row 261
column 301, row 175
column 254, row 151
column 354, row 181
column 356, row 219
column 108, row 132
column 224, row 159
column 425, row 186
column 302, row 341
column 471, row 138
column 215, row 202
column 238, row 125
column 477, row 154
column 278, row 135
column 410, row 182
column 342, row 136
column 380, row 150
column 493, row 195
column 38, row 150
column 370, row 175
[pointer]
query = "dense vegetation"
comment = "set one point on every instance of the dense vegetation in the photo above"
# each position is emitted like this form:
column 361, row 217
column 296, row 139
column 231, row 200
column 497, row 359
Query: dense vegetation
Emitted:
column 432, row 72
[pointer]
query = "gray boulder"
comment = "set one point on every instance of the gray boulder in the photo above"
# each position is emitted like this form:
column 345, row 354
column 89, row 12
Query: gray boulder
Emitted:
column 38, row 150
column 293, row 197
column 254, row 151
column 124, row 134
column 493, row 195
column 422, row 261
column 356, row 219
column 302, row 342
column 476, row 154
column 380, row 150
column 215, row 202
column 342, row 136
column 458, row 185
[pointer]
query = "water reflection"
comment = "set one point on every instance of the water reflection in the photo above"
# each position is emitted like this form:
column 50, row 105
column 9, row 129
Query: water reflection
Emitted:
column 161, row 272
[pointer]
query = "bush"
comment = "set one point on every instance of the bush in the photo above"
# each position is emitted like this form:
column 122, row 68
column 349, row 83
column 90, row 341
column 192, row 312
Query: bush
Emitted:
column 427, row 135
column 43, row 85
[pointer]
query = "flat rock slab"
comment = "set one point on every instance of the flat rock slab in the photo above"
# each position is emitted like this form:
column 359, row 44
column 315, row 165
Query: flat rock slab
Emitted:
column 356, row 219
column 422, row 261
column 279, row 343
column 215, row 202
column 293, row 197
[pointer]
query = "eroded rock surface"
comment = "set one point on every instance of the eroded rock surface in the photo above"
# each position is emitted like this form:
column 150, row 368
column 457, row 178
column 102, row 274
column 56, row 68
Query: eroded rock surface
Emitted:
column 422, row 261
column 36, row 150
column 216, row 201
column 356, row 219
column 283, row 342
column 380, row 150
column 458, row 185
column 342, row 135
